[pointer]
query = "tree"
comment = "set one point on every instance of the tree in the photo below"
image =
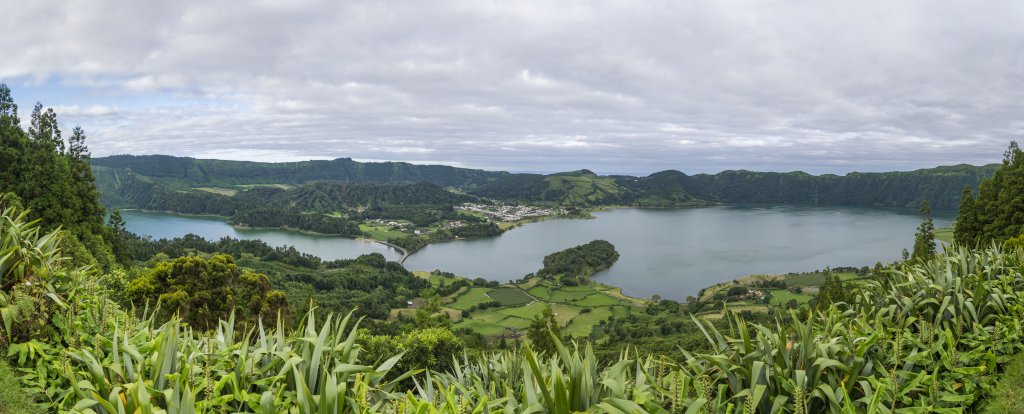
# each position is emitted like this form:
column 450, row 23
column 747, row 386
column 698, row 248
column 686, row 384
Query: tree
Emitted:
column 1012, row 154
column 203, row 291
column 8, row 109
column 965, row 232
column 924, row 240
column 998, row 210
column 543, row 330
column 44, row 129
column 119, row 237
column 833, row 290
column 76, row 144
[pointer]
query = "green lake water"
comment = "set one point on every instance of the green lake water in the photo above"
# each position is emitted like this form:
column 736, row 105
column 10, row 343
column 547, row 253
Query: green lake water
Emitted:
column 672, row 252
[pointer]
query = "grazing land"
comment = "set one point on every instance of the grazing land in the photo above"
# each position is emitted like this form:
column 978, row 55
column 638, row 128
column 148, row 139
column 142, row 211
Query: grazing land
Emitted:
column 578, row 309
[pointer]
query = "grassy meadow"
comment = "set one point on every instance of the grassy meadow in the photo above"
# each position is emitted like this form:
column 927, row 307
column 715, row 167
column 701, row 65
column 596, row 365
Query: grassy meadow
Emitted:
column 578, row 309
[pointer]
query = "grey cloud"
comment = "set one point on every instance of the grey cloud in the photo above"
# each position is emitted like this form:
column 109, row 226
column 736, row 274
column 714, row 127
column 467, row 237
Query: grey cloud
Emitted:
column 615, row 86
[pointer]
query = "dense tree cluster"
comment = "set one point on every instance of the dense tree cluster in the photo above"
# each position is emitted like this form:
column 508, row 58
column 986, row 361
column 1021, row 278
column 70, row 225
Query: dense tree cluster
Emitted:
column 310, row 207
column 418, row 215
column 202, row 291
column 998, row 212
column 328, row 197
column 369, row 284
column 941, row 186
column 314, row 222
column 414, row 243
column 143, row 249
column 577, row 263
column 200, row 173
column 475, row 230
column 49, row 173
column 520, row 187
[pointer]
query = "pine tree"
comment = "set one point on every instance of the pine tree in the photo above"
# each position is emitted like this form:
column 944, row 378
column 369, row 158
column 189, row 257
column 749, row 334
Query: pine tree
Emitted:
column 76, row 144
column 965, row 232
column 999, row 207
column 8, row 109
column 924, row 240
column 44, row 129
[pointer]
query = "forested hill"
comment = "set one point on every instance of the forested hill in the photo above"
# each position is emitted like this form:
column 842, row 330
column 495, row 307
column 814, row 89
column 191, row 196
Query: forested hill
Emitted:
column 941, row 186
column 190, row 172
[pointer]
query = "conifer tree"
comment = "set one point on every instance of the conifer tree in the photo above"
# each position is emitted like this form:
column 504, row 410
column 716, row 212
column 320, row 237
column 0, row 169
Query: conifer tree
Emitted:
column 997, row 213
column 924, row 240
column 965, row 232
column 8, row 109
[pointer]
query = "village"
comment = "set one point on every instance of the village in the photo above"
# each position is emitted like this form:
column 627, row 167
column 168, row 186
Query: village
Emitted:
column 509, row 212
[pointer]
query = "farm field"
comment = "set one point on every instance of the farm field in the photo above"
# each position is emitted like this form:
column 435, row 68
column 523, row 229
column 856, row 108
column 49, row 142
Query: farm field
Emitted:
column 578, row 309
column 381, row 232
column 780, row 297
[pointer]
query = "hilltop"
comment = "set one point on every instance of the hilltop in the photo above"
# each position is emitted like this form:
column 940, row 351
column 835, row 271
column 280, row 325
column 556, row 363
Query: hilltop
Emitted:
column 941, row 186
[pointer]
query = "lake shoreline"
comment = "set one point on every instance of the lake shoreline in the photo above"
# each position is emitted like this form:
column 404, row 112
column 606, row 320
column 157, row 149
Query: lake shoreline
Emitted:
column 669, row 252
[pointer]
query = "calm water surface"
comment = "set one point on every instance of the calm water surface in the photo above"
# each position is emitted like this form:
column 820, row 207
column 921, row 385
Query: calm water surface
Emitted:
column 672, row 253
column 165, row 225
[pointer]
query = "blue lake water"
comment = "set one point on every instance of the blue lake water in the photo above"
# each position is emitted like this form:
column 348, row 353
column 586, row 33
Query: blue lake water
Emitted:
column 671, row 252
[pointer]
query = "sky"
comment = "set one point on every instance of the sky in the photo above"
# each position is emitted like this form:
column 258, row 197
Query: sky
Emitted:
column 613, row 86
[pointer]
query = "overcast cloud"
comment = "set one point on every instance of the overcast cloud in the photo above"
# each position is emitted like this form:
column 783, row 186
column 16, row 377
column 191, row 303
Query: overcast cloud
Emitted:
column 614, row 86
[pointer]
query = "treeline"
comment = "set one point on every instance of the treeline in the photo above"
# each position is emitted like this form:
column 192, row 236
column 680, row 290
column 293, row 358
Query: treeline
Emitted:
column 414, row 243
column 127, row 189
column 143, row 249
column 288, row 219
column 369, row 283
column 310, row 207
column 190, row 172
column 49, row 173
column 997, row 214
column 328, row 197
column 578, row 263
column 163, row 182
column 941, row 186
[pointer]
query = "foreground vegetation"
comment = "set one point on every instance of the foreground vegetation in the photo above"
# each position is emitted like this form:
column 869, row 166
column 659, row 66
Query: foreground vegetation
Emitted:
column 931, row 335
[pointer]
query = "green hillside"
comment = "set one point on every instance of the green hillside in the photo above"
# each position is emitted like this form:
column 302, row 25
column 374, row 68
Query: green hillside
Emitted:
column 185, row 172
column 941, row 186
column 577, row 188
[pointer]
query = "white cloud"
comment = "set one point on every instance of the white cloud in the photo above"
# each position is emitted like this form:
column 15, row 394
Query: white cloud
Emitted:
column 610, row 85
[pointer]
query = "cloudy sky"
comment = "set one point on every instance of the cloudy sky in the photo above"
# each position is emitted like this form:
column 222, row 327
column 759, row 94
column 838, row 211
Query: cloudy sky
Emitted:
column 614, row 86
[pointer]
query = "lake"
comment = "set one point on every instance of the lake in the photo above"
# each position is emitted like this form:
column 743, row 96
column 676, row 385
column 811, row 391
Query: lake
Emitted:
column 669, row 252
column 166, row 225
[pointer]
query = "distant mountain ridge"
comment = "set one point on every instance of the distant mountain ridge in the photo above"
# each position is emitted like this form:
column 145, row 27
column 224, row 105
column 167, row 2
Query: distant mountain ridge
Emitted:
column 192, row 172
column 941, row 186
